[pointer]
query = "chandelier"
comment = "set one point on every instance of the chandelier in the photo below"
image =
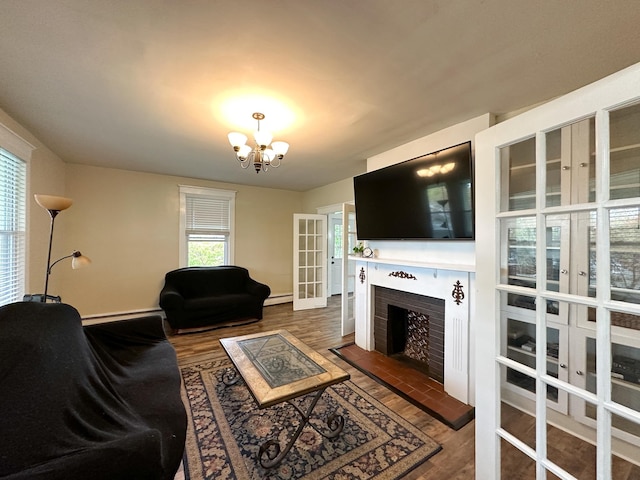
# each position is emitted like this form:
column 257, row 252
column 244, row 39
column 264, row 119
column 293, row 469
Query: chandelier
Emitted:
column 264, row 154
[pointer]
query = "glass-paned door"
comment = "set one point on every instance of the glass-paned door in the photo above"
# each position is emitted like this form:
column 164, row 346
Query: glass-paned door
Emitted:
column 309, row 261
column 518, row 176
column 348, row 269
column 624, row 156
column 560, row 233
column 623, row 384
column 519, row 264
column 520, row 344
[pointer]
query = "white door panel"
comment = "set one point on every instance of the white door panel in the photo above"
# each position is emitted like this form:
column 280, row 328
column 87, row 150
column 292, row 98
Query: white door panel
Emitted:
column 335, row 242
column 309, row 261
column 349, row 240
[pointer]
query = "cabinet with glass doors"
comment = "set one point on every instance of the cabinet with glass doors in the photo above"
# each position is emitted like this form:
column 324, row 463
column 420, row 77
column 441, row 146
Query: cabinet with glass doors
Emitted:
column 568, row 213
column 521, row 345
column 624, row 380
column 563, row 280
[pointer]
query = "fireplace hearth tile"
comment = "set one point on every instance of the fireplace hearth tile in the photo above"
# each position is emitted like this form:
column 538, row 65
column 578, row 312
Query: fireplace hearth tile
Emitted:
column 411, row 384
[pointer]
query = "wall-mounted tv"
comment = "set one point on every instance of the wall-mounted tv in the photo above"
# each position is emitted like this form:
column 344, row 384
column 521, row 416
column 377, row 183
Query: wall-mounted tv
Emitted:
column 426, row 198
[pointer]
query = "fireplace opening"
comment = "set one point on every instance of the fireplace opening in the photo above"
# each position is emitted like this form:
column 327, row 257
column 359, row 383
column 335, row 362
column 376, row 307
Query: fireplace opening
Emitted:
column 397, row 330
column 410, row 328
column 409, row 337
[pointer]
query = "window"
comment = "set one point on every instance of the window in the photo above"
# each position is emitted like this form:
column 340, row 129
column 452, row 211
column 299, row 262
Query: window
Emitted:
column 206, row 226
column 337, row 240
column 13, row 179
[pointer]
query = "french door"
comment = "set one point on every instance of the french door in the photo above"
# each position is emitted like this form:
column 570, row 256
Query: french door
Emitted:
column 558, row 305
column 349, row 241
column 309, row 261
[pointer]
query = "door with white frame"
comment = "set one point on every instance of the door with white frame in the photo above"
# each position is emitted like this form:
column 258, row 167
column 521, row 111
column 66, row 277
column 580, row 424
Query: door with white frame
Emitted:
column 335, row 253
column 341, row 267
column 558, row 216
column 309, row 261
column 349, row 240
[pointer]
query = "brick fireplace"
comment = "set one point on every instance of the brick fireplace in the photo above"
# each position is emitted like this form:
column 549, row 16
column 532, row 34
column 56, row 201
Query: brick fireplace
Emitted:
column 410, row 327
column 434, row 300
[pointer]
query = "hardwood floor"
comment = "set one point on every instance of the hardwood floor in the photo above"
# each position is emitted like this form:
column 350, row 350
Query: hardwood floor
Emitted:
column 320, row 329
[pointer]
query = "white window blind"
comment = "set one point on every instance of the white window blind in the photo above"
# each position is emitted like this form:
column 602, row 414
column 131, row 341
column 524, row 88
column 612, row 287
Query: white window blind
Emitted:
column 206, row 226
column 207, row 214
column 13, row 181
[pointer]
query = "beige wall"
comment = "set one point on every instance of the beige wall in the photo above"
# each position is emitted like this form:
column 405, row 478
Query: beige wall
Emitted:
column 128, row 223
column 46, row 175
column 332, row 194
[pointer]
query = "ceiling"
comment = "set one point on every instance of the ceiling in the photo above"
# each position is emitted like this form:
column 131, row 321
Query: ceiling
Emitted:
column 141, row 84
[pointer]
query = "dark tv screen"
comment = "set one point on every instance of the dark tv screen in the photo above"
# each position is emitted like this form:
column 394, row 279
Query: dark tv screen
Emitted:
column 426, row 198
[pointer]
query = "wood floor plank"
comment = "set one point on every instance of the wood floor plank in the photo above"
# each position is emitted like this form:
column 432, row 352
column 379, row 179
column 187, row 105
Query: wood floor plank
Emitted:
column 320, row 329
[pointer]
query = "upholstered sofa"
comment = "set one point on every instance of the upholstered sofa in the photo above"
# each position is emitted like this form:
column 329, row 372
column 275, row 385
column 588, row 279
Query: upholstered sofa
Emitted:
column 96, row 402
column 196, row 297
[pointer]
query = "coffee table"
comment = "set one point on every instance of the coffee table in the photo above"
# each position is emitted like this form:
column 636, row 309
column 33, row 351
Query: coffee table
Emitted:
column 277, row 367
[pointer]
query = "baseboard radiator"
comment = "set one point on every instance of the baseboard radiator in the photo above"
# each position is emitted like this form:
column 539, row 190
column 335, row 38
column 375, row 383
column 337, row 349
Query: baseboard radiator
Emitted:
column 117, row 316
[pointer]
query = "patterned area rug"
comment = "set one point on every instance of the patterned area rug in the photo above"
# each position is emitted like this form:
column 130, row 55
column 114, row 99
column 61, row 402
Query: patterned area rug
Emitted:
column 226, row 430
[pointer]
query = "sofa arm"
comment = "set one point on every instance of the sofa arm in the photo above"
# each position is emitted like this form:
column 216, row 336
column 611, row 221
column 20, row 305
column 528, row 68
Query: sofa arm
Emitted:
column 134, row 331
column 171, row 299
column 258, row 289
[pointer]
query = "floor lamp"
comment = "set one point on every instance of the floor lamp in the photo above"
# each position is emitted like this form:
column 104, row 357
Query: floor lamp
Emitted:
column 54, row 205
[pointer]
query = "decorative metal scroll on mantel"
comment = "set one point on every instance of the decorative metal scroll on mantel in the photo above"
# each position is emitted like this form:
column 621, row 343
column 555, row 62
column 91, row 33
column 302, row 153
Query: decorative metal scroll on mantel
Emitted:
column 362, row 276
column 401, row 274
column 457, row 293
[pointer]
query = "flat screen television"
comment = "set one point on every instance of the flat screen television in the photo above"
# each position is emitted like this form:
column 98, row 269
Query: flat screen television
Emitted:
column 426, row 198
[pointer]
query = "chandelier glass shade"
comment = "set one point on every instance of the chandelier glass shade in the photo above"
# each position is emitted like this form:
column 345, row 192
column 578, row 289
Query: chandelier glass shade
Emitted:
column 264, row 154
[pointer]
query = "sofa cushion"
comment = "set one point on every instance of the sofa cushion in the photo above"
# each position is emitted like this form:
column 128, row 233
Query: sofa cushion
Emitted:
column 228, row 302
column 201, row 282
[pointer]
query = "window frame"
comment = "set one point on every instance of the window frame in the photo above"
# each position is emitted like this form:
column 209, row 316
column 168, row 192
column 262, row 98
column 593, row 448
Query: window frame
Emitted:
column 212, row 193
column 18, row 148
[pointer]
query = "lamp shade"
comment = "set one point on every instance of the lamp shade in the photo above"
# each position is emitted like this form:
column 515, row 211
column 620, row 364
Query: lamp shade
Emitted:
column 244, row 151
column 269, row 154
column 280, row 148
column 79, row 261
column 237, row 139
column 262, row 137
column 52, row 202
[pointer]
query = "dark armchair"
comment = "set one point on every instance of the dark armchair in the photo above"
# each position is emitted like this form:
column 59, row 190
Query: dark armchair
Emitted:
column 197, row 297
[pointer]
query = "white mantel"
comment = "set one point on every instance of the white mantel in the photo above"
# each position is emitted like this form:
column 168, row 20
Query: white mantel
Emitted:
column 436, row 280
column 417, row 263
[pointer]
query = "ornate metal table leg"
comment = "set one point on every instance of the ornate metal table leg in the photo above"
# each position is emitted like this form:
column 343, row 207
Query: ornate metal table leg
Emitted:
column 230, row 376
column 335, row 424
column 270, row 453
